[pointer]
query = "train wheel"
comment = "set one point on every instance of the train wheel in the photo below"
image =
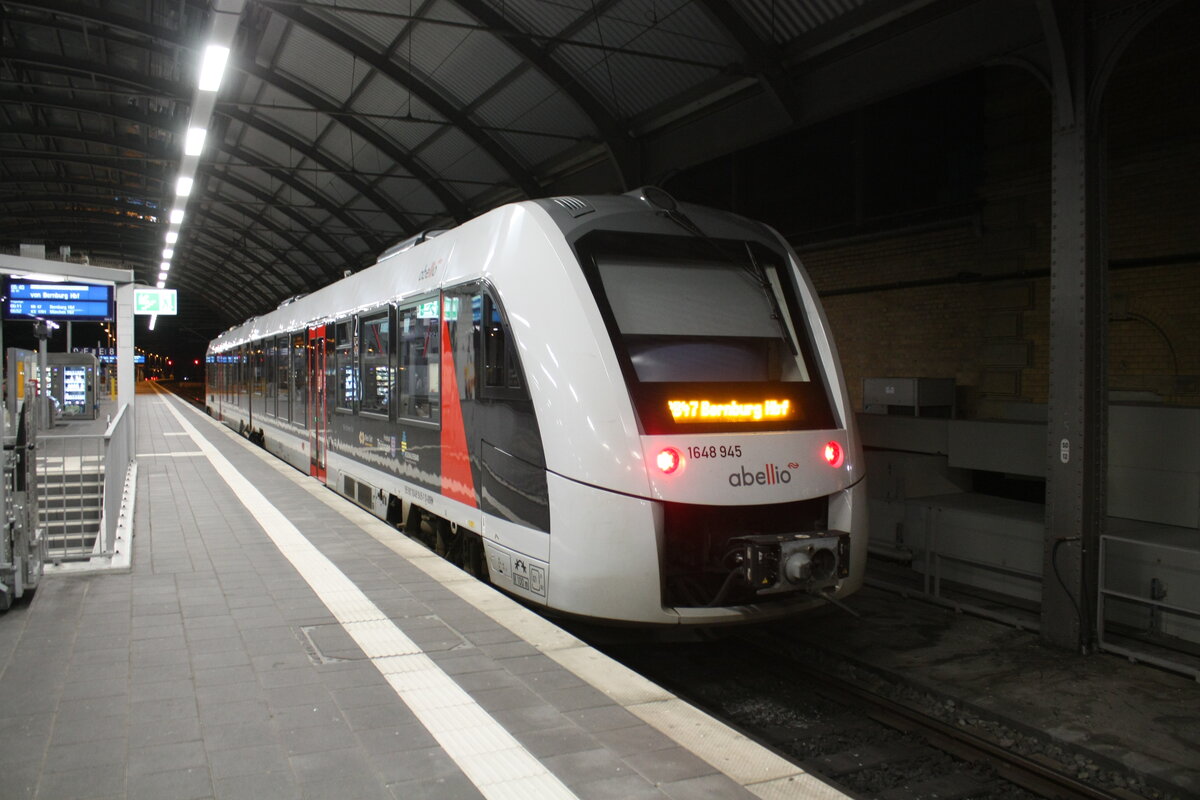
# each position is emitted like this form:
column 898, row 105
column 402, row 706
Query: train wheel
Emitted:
column 461, row 548
column 446, row 542
column 474, row 558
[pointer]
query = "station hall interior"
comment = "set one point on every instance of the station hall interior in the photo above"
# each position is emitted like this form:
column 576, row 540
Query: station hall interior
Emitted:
column 995, row 202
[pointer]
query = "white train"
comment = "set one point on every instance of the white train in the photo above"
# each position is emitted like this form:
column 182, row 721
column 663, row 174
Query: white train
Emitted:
column 611, row 407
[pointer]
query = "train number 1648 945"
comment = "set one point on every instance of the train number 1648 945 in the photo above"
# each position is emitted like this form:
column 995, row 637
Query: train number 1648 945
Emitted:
column 715, row 451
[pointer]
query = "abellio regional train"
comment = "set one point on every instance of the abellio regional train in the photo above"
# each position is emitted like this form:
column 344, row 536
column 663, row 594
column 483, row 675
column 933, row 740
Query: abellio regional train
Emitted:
column 619, row 407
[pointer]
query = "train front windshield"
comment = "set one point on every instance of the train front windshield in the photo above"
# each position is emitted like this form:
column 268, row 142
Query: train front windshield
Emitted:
column 710, row 334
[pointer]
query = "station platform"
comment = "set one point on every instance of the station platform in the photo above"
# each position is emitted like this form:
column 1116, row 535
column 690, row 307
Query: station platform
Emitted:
column 272, row 640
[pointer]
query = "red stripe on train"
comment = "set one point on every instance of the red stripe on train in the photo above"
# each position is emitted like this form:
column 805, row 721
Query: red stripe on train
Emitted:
column 457, row 481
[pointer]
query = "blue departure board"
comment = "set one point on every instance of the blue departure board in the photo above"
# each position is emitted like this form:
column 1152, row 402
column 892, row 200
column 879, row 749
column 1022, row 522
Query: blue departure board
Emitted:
column 62, row 301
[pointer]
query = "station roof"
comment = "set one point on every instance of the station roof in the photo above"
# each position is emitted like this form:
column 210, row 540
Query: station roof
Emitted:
column 344, row 126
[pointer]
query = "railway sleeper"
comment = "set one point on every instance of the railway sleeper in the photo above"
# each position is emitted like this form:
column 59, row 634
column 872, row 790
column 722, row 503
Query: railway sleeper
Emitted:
column 814, row 738
column 943, row 787
column 868, row 756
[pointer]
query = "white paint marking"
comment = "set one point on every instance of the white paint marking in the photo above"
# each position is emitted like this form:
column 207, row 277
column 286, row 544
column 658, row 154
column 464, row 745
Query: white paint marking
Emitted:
column 487, row 753
column 181, row 454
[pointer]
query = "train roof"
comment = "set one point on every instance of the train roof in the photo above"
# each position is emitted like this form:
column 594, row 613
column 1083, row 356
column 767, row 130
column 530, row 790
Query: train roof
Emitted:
column 572, row 216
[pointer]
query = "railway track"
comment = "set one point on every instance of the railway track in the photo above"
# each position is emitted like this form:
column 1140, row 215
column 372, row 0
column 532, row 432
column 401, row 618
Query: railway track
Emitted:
column 866, row 744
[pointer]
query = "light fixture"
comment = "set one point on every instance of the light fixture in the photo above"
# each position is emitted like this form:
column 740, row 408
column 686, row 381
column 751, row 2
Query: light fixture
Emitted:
column 668, row 460
column 162, row 276
column 176, row 216
column 834, row 456
column 213, row 67
column 168, row 253
column 164, row 266
column 172, row 237
column 194, row 143
column 183, row 186
column 162, row 284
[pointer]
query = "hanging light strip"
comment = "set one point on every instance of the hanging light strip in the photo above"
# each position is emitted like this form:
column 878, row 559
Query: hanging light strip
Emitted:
column 226, row 14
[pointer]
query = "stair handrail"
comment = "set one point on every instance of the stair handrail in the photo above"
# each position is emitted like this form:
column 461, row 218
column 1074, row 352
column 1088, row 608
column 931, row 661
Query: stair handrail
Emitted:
column 118, row 456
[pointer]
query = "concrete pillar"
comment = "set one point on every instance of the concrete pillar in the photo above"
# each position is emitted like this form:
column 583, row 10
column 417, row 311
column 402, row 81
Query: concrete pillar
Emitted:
column 125, row 351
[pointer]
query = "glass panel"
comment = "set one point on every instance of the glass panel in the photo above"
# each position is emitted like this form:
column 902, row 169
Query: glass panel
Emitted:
column 283, row 387
column 299, row 377
column 346, row 367
column 269, row 375
column 258, row 375
column 500, row 368
column 727, row 327
column 419, row 355
column 377, row 377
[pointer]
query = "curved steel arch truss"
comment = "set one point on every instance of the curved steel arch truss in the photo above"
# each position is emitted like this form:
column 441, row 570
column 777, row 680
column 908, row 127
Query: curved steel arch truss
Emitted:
column 342, row 128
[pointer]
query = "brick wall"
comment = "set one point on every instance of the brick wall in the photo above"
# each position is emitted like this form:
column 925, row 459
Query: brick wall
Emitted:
column 970, row 300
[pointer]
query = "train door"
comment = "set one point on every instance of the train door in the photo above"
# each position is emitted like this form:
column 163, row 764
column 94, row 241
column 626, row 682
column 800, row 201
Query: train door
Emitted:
column 318, row 410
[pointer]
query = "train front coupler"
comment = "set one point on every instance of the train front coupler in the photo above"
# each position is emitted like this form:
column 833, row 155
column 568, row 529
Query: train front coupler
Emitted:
column 790, row 562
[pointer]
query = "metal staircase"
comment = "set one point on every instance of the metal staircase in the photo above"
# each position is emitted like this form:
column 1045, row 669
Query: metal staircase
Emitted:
column 71, row 492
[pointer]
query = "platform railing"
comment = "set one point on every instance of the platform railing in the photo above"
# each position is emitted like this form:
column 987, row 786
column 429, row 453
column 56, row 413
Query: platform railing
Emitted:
column 1178, row 661
column 934, row 559
column 118, row 455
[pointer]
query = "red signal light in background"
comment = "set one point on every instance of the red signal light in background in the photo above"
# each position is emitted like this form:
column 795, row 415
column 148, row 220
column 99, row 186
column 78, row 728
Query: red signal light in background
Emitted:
column 834, row 456
column 669, row 460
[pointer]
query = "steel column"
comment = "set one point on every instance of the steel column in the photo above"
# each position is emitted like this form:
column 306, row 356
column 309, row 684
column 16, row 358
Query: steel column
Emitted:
column 1078, row 410
column 1083, row 40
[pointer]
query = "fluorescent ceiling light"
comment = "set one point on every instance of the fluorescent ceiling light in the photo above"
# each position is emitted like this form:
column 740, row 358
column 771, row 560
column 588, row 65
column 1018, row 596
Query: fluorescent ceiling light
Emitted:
column 172, row 237
column 153, row 318
column 162, row 276
column 194, row 144
column 166, row 265
column 168, row 252
column 213, row 67
column 161, row 284
column 183, row 186
column 176, row 216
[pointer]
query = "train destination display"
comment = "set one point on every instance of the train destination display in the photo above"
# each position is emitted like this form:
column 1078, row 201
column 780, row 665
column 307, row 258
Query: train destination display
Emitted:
column 67, row 301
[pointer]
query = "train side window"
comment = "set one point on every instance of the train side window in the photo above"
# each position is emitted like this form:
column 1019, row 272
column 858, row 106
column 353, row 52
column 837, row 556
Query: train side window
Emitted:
column 241, row 376
column 377, row 368
column 283, row 384
column 501, row 370
column 269, row 376
column 258, row 374
column 299, row 377
column 346, row 366
column 418, row 331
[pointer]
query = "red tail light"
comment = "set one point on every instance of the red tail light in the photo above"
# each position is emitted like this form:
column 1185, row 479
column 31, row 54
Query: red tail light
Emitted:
column 669, row 460
column 834, row 456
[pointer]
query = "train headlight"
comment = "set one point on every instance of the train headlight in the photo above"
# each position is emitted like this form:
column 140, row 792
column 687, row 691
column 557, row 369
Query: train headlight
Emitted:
column 669, row 460
column 834, row 456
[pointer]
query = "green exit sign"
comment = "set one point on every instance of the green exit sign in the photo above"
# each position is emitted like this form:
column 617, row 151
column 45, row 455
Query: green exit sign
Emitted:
column 155, row 301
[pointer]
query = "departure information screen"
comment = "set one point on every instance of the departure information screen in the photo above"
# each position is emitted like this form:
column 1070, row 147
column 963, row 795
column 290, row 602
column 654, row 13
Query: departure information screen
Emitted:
column 65, row 301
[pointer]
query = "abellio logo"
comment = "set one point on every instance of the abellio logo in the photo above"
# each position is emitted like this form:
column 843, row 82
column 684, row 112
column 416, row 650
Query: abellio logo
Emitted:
column 769, row 475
